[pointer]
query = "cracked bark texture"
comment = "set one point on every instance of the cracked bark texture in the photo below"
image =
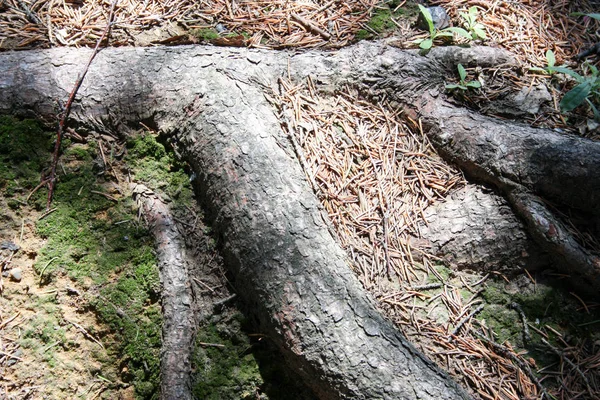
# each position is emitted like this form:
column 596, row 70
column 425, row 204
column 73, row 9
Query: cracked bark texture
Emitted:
column 176, row 296
column 286, row 264
column 476, row 229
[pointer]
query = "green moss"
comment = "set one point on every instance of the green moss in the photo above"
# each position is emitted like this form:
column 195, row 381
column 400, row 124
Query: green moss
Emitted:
column 504, row 323
column 25, row 149
column 444, row 272
column 84, row 240
column 205, row 34
column 381, row 19
column 95, row 241
column 79, row 151
column 157, row 168
column 465, row 294
column 225, row 369
column 229, row 364
column 543, row 305
column 124, row 307
column 46, row 328
column 495, row 294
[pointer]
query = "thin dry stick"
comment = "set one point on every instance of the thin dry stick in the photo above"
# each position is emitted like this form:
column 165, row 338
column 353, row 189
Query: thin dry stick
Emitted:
column 311, row 26
column 51, row 180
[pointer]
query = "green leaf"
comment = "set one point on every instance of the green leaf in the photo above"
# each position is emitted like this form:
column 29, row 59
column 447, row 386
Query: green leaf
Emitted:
column 479, row 32
column 459, row 31
column 575, row 96
column 473, row 11
column 568, row 71
column 426, row 44
column 591, row 15
column 461, row 72
column 452, row 86
column 443, row 34
column 428, row 18
column 474, row 84
column 594, row 70
column 594, row 110
column 550, row 58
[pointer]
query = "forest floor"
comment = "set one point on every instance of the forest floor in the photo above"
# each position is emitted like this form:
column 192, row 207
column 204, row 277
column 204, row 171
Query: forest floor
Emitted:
column 80, row 294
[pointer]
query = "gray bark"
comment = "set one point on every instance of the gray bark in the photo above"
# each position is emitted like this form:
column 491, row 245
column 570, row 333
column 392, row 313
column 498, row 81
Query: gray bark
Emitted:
column 527, row 165
column 176, row 296
column 287, row 266
column 476, row 229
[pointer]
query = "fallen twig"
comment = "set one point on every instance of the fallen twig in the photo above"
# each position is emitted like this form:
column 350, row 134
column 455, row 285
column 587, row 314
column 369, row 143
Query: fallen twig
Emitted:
column 506, row 352
column 51, row 180
column 311, row 26
column 566, row 359
column 86, row 333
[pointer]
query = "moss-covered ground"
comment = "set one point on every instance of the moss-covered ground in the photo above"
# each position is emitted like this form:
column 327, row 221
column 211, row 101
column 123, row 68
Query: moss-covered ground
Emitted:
column 383, row 16
column 91, row 300
column 93, row 238
column 92, row 294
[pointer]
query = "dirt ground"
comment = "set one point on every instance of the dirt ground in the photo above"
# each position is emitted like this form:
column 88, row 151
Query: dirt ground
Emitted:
column 52, row 344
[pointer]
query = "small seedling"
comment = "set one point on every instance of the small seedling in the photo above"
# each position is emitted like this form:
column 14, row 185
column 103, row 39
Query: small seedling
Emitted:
column 434, row 33
column 476, row 29
column 587, row 89
column 551, row 67
column 463, row 84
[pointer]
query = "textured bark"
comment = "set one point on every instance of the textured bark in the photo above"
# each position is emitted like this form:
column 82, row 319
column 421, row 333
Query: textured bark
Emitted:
column 559, row 167
column 176, row 296
column 527, row 164
column 476, row 229
column 287, row 266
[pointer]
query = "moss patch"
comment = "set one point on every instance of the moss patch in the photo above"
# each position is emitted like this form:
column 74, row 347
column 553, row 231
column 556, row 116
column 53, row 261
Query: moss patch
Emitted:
column 25, row 150
column 225, row 367
column 94, row 244
column 157, row 167
column 97, row 243
column 381, row 19
column 229, row 364
column 205, row 34
column 544, row 305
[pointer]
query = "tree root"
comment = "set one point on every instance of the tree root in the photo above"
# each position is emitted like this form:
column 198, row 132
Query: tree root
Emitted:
column 176, row 296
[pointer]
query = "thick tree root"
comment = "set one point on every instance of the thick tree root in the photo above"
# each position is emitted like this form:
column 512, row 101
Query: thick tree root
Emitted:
column 473, row 228
column 552, row 235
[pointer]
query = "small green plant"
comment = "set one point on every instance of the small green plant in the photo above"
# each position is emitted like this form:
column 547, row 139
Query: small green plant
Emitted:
column 475, row 28
column 434, row 33
column 587, row 89
column 463, row 84
column 550, row 67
